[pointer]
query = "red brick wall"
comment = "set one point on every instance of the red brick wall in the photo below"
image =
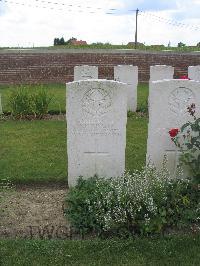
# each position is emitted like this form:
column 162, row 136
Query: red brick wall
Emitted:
column 57, row 66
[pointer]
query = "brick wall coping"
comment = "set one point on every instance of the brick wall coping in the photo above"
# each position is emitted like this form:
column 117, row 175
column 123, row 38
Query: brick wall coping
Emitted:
column 93, row 51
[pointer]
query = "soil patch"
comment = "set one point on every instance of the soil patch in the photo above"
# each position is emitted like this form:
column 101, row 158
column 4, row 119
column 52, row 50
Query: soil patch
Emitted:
column 33, row 212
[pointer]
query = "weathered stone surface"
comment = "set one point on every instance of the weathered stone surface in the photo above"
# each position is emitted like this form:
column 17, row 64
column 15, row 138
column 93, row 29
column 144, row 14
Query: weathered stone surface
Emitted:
column 96, row 128
column 85, row 72
column 194, row 72
column 128, row 74
column 169, row 100
column 160, row 72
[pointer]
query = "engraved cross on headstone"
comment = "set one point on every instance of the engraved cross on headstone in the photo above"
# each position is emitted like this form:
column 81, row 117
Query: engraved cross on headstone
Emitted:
column 169, row 149
column 96, row 153
column 173, row 160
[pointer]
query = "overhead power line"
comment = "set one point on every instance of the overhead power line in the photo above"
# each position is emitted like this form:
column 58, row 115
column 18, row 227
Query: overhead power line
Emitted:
column 169, row 21
column 62, row 6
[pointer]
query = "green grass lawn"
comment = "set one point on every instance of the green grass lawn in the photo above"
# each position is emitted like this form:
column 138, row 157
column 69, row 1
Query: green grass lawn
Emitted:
column 58, row 91
column 176, row 250
column 35, row 151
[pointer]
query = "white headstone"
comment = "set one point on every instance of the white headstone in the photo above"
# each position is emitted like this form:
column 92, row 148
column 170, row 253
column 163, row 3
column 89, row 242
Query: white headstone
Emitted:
column 96, row 128
column 85, row 72
column 128, row 74
column 160, row 72
column 169, row 100
column 194, row 72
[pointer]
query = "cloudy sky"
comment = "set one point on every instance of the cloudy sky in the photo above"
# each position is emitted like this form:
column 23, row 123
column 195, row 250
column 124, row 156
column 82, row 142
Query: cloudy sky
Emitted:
column 37, row 22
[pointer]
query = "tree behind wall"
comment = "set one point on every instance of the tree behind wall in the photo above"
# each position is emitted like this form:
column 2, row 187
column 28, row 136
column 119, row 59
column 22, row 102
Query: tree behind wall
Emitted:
column 60, row 41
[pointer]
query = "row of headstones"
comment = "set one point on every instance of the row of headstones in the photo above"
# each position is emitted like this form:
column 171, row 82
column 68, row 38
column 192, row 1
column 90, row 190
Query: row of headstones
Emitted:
column 129, row 74
column 123, row 73
column 97, row 117
column 160, row 72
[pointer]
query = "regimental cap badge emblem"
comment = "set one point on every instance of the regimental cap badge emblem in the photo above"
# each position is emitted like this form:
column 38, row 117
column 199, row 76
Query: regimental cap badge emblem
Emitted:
column 180, row 99
column 96, row 101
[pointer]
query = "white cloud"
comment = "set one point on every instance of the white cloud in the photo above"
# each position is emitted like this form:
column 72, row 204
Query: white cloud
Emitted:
column 25, row 25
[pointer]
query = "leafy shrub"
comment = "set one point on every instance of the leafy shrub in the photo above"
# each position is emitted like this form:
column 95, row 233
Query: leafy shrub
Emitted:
column 41, row 102
column 143, row 202
column 183, row 204
column 23, row 103
column 187, row 139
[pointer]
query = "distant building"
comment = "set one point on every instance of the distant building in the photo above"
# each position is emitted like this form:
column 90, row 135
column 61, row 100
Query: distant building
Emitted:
column 76, row 42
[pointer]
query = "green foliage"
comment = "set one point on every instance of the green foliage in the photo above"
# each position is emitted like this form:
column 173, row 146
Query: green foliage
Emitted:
column 143, row 92
column 41, row 102
column 183, row 206
column 188, row 141
column 144, row 202
column 143, row 108
column 60, row 41
column 57, row 105
column 21, row 103
column 180, row 44
column 24, row 104
column 121, row 46
column 77, row 210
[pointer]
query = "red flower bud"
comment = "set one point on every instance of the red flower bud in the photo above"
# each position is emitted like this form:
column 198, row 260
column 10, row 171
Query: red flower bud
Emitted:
column 173, row 132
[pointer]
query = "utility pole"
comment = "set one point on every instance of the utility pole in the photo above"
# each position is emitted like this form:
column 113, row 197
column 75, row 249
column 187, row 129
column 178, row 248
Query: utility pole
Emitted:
column 136, row 27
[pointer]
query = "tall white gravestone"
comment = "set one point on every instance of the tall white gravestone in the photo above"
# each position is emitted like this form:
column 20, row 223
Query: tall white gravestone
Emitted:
column 128, row 74
column 96, row 129
column 85, row 72
column 160, row 72
column 169, row 100
column 194, row 72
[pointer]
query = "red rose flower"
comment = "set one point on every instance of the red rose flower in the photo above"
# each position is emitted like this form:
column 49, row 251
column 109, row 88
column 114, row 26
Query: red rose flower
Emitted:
column 184, row 77
column 173, row 132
